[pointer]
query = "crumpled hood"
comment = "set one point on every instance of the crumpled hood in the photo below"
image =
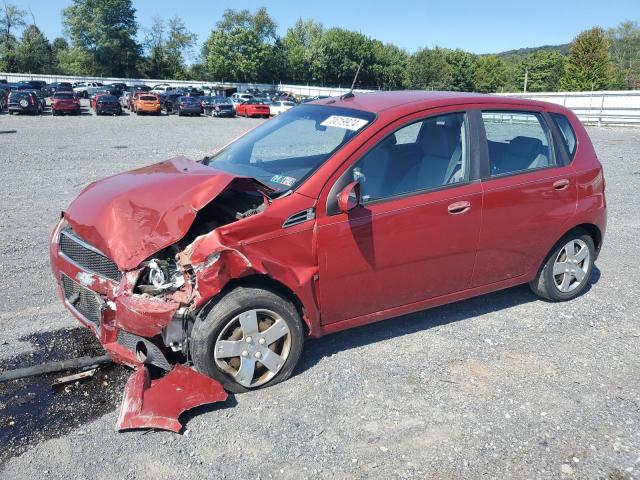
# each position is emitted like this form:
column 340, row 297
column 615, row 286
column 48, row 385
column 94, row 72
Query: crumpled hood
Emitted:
column 132, row 215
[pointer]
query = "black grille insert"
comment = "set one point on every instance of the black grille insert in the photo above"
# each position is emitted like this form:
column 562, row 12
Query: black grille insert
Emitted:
column 86, row 302
column 87, row 257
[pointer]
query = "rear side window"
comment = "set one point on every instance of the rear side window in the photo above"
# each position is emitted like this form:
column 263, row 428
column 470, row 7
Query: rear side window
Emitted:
column 568, row 135
column 517, row 141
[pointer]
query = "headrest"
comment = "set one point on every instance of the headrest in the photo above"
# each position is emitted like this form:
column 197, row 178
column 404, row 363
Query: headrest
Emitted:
column 525, row 146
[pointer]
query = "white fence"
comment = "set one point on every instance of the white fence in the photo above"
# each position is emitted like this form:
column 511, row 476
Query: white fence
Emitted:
column 600, row 108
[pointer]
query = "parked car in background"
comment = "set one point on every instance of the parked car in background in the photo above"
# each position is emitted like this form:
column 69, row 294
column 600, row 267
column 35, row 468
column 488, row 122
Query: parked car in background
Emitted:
column 253, row 108
column 220, row 107
column 161, row 88
column 24, row 101
column 148, row 103
column 236, row 101
column 189, row 106
column 54, row 87
column 243, row 97
column 65, row 102
column 125, row 100
column 4, row 95
column 40, row 95
column 81, row 89
column 138, row 87
column 33, row 84
column 94, row 97
column 279, row 106
column 108, row 105
column 170, row 101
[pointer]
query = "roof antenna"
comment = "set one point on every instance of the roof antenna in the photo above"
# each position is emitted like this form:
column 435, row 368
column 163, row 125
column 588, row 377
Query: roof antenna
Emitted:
column 351, row 94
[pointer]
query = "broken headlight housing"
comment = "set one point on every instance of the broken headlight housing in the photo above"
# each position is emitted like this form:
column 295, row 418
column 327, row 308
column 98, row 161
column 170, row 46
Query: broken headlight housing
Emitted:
column 160, row 276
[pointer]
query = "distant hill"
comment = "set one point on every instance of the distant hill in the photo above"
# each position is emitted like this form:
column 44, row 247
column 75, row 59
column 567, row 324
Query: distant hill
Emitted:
column 523, row 52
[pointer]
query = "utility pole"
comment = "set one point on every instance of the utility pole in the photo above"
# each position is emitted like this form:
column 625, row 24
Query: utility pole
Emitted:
column 526, row 79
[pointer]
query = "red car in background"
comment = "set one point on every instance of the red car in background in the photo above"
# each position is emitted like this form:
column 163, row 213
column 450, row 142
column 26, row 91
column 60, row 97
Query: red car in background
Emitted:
column 94, row 99
column 253, row 108
column 65, row 102
column 335, row 214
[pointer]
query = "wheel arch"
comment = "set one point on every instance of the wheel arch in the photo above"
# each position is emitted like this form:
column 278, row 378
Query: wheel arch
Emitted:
column 594, row 232
column 591, row 229
column 259, row 281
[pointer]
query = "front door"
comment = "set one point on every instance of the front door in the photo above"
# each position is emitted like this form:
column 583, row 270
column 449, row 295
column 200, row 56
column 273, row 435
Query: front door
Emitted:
column 415, row 236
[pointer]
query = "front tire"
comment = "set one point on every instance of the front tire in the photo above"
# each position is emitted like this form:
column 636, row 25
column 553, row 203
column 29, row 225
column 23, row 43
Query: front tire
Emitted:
column 567, row 269
column 251, row 338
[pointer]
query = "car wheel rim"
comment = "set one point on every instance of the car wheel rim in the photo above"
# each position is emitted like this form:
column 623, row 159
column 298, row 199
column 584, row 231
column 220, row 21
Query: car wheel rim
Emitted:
column 253, row 347
column 571, row 265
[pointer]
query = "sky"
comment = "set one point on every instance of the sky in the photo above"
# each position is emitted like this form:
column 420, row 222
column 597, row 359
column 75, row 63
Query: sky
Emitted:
column 488, row 26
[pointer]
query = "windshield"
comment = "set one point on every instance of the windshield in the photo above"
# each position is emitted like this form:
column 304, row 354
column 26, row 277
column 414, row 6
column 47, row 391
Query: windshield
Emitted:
column 287, row 149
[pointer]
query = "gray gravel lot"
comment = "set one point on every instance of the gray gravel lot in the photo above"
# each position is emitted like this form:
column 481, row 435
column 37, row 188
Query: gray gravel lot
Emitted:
column 501, row 386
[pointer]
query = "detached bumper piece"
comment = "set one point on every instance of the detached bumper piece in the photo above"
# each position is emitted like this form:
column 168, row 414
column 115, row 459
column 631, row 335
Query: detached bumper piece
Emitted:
column 158, row 403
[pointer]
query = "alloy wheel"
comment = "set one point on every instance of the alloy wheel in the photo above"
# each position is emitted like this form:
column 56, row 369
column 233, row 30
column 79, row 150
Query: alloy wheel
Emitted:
column 571, row 265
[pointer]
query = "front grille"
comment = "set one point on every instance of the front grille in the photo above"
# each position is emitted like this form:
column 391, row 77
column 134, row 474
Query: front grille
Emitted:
column 86, row 302
column 87, row 257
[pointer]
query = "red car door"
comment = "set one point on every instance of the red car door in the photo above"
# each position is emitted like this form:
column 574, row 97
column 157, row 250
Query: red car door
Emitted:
column 529, row 196
column 415, row 236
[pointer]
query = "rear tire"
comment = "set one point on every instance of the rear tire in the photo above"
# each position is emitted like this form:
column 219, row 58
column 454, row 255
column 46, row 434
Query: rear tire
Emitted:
column 567, row 269
column 221, row 324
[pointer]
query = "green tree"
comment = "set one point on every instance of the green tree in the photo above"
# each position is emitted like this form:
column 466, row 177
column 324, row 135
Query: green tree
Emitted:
column 243, row 47
column 58, row 47
column 167, row 43
column 102, row 34
column 11, row 19
column 462, row 71
column 489, row 74
column 624, row 42
column 302, row 50
column 428, row 69
column 342, row 51
column 589, row 66
column 33, row 54
column 389, row 65
column 545, row 69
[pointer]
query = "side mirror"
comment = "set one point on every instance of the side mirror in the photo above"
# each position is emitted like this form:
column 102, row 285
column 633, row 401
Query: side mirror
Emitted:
column 349, row 197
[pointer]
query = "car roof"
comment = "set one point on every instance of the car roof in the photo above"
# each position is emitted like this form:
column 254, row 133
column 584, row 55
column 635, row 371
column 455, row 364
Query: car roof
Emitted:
column 378, row 102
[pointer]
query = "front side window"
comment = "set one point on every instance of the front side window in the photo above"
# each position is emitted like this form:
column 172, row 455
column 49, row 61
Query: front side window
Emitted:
column 423, row 155
column 287, row 149
column 517, row 141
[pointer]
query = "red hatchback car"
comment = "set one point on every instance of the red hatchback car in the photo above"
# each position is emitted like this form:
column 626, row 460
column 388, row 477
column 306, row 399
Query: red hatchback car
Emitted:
column 337, row 213
column 253, row 108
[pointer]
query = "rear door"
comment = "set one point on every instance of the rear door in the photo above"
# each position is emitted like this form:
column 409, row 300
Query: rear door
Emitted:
column 529, row 195
column 416, row 235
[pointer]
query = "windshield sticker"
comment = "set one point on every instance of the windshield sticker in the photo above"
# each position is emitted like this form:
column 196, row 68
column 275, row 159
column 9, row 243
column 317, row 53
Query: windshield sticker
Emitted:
column 348, row 123
column 283, row 180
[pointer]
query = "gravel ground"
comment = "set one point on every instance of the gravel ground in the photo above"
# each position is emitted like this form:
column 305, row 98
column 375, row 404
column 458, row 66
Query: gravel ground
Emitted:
column 500, row 386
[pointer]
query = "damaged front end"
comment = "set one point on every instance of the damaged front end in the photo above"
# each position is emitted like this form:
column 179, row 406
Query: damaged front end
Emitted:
column 121, row 256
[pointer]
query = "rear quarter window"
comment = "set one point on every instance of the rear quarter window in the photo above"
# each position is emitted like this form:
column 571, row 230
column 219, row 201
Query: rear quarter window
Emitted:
column 566, row 130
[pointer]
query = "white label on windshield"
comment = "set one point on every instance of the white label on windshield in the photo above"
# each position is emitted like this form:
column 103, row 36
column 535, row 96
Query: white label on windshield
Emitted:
column 349, row 123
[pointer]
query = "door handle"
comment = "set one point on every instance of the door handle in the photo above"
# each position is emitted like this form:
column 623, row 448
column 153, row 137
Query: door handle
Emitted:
column 459, row 207
column 561, row 184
